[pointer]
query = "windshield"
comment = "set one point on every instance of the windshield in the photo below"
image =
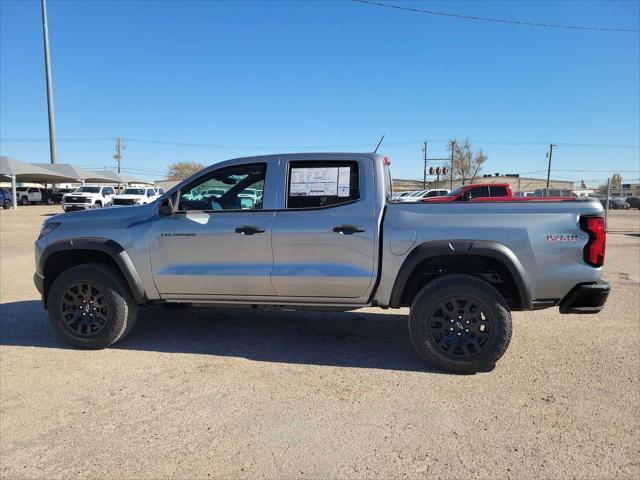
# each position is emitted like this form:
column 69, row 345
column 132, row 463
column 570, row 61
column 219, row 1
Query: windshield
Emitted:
column 21, row 189
column 133, row 191
column 88, row 190
column 456, row 191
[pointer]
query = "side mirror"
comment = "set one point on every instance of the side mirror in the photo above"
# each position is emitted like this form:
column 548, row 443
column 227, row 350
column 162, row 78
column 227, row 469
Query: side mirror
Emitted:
column 466, row 196
column 166, row 207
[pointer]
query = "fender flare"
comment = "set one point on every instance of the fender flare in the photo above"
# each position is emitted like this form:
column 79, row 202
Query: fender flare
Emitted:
column 104, row 245
column 483, row 248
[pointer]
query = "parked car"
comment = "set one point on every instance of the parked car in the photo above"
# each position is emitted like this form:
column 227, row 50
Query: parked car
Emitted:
column 634, row 202
column 33, row 195
column 5, row 198
column 135, row 196
column 324, row 236
column 58, row 193
column 618, row 204
column 159, row 190
column 417, row 196
column 88, row 197
column 482, row 192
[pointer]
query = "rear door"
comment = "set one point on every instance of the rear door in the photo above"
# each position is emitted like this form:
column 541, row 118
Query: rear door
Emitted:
column 324, row 237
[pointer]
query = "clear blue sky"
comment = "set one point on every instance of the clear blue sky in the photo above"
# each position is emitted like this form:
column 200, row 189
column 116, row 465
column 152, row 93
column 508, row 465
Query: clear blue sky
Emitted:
column 306, row 74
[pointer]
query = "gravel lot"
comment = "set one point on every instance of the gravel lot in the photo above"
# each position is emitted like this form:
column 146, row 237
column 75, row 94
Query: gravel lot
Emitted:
column 211, row 393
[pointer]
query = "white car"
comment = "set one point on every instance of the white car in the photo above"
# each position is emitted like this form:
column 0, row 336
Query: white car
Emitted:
column 135, row 196
column 421, row 194
column 87, row 197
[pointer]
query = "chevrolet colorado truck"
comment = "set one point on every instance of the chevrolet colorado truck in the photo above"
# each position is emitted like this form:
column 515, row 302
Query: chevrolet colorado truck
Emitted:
column 323, row 234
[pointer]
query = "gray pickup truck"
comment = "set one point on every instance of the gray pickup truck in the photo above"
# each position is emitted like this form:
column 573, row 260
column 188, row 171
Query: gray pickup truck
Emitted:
column 321, row 231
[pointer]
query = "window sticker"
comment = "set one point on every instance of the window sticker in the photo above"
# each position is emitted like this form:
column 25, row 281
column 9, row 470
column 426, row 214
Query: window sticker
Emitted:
column 315, row 182
column 344, row 180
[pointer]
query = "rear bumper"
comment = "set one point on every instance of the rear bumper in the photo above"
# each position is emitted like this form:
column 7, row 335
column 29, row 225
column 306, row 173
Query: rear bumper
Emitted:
column 586, row 298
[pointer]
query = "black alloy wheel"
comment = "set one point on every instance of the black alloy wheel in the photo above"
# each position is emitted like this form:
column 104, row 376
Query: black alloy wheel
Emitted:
column 84, row 309
column 460, row 326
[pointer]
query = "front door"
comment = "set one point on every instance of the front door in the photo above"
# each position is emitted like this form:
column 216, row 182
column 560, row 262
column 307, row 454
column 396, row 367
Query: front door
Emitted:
column 218, row 241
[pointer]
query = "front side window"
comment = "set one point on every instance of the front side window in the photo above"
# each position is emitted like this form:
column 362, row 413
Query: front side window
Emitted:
column 231, row 188
column 479, row 192
column 320, row 184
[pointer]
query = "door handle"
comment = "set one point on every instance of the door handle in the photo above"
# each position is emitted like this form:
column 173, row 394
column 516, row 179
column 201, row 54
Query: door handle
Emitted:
column 249, row 230
column 348, row 229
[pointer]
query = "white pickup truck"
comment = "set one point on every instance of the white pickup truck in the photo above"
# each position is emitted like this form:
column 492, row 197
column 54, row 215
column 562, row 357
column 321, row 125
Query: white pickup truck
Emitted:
column 88, row 197
column 135, row 196
column 32, row 195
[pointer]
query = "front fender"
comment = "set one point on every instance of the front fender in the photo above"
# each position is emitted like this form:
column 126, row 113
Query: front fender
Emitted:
column 108, row 246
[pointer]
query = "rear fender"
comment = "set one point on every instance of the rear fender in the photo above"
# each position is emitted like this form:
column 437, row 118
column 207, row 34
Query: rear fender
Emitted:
column 493, row 250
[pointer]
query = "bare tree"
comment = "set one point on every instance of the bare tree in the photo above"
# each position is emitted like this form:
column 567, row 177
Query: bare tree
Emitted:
column 466, row 164
column 180, row 170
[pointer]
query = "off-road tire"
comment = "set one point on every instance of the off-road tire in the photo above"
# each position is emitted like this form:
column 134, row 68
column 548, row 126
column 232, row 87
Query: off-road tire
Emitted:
column 122, row 309
column 423, row 322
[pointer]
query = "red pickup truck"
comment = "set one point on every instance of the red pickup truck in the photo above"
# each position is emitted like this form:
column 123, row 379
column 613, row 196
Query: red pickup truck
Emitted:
column 488, row 192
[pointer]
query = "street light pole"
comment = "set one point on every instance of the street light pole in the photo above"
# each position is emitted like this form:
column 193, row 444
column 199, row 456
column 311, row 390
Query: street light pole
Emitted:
column 47, row 65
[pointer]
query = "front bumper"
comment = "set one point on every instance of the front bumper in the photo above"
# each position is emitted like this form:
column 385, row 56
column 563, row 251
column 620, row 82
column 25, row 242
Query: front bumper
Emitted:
column 72, row 207
column 586, row 298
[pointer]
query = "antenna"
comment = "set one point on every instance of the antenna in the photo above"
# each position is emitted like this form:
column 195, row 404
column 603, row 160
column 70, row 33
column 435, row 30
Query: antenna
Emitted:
column 379, row 143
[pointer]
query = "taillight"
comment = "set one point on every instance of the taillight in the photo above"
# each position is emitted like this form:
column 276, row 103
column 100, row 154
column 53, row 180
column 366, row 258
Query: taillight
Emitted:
column 387, row 161
column 594, row 249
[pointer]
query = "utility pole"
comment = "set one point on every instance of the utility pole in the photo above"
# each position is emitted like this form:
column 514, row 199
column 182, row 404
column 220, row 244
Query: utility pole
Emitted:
column 453, row 143
column 551, row 145
column 47, row 66
column 424, row 178
column 119, row 147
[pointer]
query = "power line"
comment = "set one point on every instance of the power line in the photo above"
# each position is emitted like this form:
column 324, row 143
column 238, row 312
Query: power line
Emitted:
column 304, row 147
column 497, row 20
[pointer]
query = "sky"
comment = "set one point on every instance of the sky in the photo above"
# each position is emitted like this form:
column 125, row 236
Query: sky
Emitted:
column 208, row 81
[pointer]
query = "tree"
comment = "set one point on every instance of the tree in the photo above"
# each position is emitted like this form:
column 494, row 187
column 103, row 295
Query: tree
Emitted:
column 616, row 180
column 466, row 164
column 180, row 170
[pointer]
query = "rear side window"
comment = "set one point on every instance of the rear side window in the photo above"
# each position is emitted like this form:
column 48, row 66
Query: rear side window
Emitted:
column 322, row 184
column 498, row 191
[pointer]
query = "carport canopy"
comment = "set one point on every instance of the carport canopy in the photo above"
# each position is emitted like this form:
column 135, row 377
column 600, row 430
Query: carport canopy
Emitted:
column 116, row 177
column 81, row 174
column 16, row 171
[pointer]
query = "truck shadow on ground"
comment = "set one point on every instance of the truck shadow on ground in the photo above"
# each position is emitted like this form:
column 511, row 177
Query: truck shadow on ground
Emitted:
column 348, row 339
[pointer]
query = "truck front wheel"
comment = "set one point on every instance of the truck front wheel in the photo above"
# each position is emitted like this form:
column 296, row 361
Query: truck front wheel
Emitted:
column 90, row 306
column 460, row 323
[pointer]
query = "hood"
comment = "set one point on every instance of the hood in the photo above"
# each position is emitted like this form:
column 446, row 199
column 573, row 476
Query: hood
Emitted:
column 133, row 213
column 81, row 194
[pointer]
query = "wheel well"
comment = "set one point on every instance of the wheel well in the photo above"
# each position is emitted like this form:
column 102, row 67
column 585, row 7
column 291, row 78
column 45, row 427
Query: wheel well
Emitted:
column 489, row 269
column 58, row 262
column 98, row 202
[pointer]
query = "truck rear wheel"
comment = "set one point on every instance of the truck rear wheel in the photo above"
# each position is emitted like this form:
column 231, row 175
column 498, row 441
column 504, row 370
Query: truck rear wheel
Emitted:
column 90, row 306
column 460, row 323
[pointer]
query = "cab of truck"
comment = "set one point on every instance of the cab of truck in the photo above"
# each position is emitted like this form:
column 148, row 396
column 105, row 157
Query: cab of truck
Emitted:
column 483, row 192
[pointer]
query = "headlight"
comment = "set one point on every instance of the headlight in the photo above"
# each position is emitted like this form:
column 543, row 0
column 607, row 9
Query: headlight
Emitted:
column 47, row 228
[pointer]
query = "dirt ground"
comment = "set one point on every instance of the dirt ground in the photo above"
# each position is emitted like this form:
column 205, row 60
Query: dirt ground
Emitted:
column 265, row 394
